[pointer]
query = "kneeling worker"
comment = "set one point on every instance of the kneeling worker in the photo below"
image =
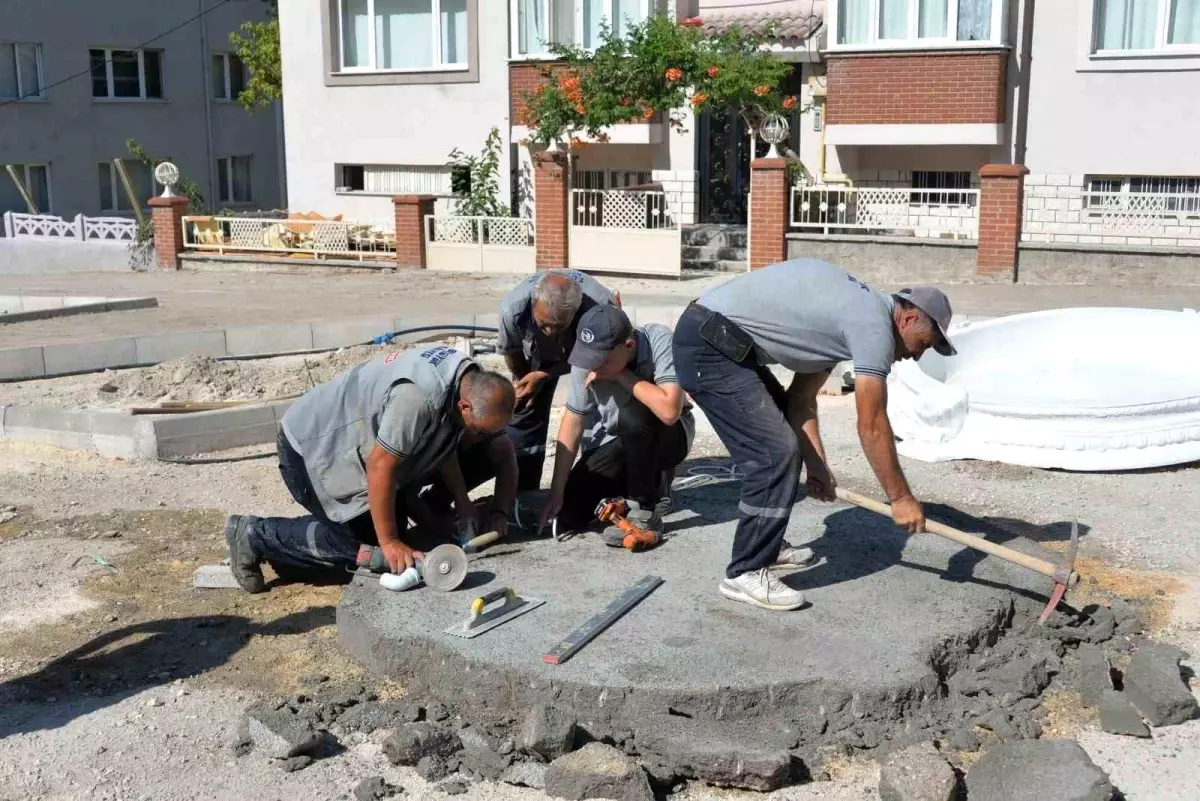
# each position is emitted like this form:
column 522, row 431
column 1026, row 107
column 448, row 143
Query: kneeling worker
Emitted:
column 625, row 378
column 807, row 316
column 356, row 451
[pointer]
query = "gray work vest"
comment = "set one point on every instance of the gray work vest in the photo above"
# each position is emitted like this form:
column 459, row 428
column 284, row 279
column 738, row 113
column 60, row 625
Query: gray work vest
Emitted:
column 334, row 426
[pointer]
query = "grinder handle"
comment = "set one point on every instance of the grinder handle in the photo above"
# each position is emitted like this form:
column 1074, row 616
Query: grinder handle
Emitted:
column 961, row 537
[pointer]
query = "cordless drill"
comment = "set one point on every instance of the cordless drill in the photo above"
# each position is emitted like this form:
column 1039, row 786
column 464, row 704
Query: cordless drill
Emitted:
column 613, row 511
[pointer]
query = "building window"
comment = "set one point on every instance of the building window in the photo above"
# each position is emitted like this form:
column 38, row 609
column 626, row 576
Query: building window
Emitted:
column 938, row 183
column 540, row 23
column 21, row 72
column 608, row 179
column 916, row 23
column 1123, row 25
column 127, row 74
column 228, row 76
column 1147, row 193
column 113, row 196
column 233, row 179
column 402, row 35
column 395, row 179
column 36, row 180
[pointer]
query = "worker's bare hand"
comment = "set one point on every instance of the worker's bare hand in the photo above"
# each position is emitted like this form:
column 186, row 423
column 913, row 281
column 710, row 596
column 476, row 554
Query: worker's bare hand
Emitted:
column 908, row 514
column 400, row 557
column 591, row 376
column 616, row 298
column 550, row 511
column 820, row 484
column 498, row 522
column 527, row 384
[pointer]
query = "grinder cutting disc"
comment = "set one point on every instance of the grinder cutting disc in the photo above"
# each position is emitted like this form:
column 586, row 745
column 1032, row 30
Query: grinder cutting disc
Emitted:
column 444, row 568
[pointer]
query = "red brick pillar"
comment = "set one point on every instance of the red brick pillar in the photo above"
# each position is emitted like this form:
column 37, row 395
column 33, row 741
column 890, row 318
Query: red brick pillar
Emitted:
column 550, row 202
column 411, row 211
column 768, row 212
column 166, row 215
column 1001, row 196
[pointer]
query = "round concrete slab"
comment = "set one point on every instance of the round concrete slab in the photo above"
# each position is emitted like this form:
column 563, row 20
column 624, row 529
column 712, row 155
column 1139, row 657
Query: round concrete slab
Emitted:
column 889, row 618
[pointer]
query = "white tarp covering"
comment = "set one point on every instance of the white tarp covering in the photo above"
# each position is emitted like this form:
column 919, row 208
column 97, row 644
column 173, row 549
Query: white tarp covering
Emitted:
column 1079, row 389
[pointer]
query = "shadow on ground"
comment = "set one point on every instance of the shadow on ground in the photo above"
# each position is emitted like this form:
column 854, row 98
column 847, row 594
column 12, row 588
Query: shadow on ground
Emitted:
column 125, row 661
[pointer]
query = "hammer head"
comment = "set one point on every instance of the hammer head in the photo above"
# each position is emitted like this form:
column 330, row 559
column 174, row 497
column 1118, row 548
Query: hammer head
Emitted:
column 1064, row 576
column 610, row 510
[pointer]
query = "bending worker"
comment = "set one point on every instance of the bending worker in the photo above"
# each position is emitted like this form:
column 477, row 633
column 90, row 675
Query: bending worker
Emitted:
column 538, row 319
column 807, row 316
column 356, row 451
column 625, row 377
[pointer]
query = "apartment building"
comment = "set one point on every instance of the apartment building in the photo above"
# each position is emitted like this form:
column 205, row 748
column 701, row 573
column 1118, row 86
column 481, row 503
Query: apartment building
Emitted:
column 75, row 85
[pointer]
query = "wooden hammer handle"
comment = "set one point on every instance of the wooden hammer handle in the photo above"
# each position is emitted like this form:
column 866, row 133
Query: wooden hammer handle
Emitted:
column 961, row 537
column 482, row 541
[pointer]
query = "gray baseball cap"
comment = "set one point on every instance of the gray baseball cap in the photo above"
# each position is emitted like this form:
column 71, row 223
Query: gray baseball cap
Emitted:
column 933, row 302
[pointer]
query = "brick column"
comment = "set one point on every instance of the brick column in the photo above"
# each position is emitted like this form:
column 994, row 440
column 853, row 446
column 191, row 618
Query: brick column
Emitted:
column 1001, row 196
column 166, row 216
column 550, row 203
column 768, row 212
column 411, row 211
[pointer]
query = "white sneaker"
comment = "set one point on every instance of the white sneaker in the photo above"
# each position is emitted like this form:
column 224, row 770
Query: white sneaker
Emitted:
column 791, row 556
column 761, row 588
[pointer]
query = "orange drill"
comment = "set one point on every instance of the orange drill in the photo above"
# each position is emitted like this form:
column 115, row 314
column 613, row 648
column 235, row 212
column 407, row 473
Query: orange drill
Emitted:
column 613, row 511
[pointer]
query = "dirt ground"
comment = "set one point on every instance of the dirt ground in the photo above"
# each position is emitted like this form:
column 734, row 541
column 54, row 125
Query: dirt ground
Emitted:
column 125, row 682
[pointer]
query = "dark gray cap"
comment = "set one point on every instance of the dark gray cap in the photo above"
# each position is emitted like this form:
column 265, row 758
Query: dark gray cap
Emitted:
column 934, row 303
column 601, row 328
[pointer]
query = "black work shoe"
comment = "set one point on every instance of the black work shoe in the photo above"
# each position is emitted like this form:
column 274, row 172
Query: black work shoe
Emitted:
column 243, row 562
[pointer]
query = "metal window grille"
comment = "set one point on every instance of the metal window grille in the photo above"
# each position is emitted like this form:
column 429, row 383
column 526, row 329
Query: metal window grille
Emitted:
column 940, row 180
column 1180, row 195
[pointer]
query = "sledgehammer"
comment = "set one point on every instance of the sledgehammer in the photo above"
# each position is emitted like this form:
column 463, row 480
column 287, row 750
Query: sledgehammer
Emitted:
column 1064, row 574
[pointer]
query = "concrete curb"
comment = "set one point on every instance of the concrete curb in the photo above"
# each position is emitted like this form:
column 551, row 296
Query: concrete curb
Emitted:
column 44, row 308
column 49, row 361
column 120, row 435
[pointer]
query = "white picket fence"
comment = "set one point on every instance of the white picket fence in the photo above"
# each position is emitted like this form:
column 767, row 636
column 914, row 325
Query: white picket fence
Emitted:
column 80, row 229
column 931, row 213
column 456, row 243
column 625, row 231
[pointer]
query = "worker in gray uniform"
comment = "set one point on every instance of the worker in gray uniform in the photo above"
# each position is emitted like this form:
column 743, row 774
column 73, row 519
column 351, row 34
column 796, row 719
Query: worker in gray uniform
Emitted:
column 807, row 316
column 355, row 452
column 538, row 319
column 623, row 385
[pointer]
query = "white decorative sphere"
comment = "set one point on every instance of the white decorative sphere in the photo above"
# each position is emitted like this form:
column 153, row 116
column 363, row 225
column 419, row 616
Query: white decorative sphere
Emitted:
column 167, row 174
column 774, row 129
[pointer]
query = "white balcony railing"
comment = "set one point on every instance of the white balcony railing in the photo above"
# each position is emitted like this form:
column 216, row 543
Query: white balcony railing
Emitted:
column 317, row 238
column 1074, row 215
column 80, row 229
column 929, row 213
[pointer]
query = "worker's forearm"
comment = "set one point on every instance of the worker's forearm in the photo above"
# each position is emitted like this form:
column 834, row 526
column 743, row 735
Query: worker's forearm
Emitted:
column 381, row 498
column 504, row 459
column 457, row 486
column 517, row 364
column 879, row 445
column 655, row 398
column 570, row 433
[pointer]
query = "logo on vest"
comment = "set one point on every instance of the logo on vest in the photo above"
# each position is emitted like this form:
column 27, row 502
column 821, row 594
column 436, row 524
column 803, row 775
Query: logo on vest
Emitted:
column 391, row 357
column 586, row 336
column 436, row 356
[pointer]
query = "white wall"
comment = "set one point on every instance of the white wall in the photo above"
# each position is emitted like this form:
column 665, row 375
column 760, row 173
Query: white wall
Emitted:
column 1106, row 122
column 414, row 124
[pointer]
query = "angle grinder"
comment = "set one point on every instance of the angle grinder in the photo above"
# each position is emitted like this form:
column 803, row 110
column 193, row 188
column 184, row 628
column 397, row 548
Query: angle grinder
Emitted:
column 442, row 569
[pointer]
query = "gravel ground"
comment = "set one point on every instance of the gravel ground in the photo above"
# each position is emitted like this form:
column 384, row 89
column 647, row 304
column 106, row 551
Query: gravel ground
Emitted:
column 125, row 744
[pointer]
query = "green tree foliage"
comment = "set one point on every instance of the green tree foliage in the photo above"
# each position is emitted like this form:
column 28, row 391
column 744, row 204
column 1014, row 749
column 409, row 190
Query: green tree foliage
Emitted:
column 257, row 45
column 658, row 67
column 477, row 179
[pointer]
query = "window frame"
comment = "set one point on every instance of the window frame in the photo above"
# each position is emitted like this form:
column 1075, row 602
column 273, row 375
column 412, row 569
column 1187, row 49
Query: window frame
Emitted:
column 21, row 97
column 227, row 161
column 142, row 97
column 648, row 7
column 371, row 176
column 227, row 76
column 1162, row 31
column 998, row 37
column 1094, row 209
column 23, row 169
column 117, row 189
column 435, row 32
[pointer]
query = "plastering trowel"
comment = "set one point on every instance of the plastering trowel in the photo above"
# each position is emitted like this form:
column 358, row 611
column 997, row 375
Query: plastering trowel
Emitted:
column 487, row 614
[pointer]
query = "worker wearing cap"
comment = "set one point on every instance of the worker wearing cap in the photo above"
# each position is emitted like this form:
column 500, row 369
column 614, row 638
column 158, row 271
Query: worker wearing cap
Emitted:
column 538, row 319
column 807, row 316
column 623, row 380
column 356, row 451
